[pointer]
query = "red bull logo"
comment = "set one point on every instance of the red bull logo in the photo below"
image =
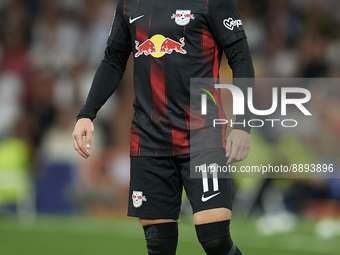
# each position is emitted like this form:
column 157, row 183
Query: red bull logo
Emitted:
column 157, row 46
column 182, row 17
column 147, row 47
column 138, row 198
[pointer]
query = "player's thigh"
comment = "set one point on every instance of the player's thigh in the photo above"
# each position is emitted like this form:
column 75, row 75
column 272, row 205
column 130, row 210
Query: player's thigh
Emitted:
column 208, row 185
column 155, row 189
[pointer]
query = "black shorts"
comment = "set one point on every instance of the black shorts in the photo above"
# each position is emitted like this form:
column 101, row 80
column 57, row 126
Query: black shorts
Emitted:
column 157, row 182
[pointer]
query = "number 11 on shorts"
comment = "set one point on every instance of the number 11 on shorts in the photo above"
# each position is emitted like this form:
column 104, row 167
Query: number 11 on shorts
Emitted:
column 212, row 169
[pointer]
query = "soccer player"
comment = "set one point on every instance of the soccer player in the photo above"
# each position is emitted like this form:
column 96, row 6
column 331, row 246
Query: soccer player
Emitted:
column 171, row 42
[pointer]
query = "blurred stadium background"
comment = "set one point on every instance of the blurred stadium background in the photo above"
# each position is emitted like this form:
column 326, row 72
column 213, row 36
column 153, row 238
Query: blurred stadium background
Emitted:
column 54, row 202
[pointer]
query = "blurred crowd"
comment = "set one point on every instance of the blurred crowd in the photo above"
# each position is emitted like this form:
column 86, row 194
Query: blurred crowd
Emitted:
column 50, row 50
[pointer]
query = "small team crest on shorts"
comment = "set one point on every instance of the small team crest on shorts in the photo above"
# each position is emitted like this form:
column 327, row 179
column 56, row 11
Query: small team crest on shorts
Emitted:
column 138, row 198
column 182, row 17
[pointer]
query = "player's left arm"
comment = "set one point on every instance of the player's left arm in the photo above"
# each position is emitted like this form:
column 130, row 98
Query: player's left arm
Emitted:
column 226, row 26
column 240, row 61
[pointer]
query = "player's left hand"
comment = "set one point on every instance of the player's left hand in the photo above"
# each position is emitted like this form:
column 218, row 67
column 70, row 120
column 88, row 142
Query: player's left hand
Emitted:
column 238, row 145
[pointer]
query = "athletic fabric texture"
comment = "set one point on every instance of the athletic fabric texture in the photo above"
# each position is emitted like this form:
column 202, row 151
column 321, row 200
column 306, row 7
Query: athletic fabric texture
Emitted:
column 169, row 48
column 156, row 185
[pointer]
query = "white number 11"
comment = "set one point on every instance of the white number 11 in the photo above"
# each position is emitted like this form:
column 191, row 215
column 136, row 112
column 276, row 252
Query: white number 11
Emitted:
column 203, row 168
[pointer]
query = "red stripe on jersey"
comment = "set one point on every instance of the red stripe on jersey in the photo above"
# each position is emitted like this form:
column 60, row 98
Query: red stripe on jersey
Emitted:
column 187, row 117
column 141, row 35
column 220, row 111
column 210, row 54
column 216, row 64
column 137, row 5
column 208, row 46
column 180, row 144
column 149, row 20
column 135, row 141
column 124, row 11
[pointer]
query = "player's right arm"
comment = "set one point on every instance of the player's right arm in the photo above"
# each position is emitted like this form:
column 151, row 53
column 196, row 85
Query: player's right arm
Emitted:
column 105, row 82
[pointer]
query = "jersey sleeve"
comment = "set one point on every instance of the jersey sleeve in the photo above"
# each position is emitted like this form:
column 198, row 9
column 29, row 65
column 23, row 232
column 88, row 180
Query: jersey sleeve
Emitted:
column 120, row 37
column 112, row 68
column 241, row 63
column 225, row 22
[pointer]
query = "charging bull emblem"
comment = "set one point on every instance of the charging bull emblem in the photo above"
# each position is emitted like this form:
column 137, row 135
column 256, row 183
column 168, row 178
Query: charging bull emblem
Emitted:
column 159, row 45
column 147, row 47
column 169, row 45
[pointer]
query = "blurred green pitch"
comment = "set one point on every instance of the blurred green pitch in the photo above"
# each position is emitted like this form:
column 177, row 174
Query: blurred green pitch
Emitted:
column 81, row 235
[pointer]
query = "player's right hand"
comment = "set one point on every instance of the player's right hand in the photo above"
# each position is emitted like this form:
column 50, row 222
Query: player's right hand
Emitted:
column 84, row 127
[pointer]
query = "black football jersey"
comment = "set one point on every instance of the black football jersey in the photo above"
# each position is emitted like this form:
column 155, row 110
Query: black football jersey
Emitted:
column 172, row 41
